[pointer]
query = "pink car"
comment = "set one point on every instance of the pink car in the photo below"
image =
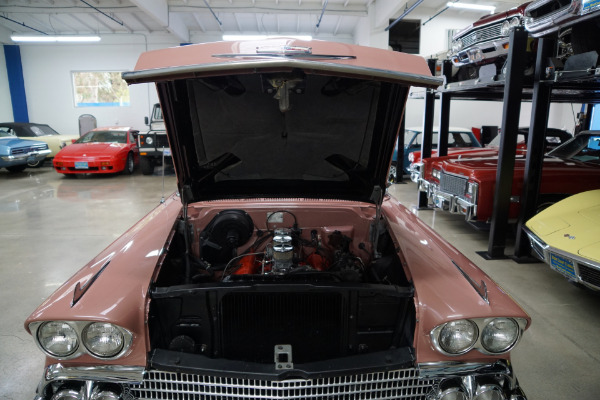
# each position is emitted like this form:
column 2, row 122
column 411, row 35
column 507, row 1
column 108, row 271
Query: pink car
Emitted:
column 281, row 268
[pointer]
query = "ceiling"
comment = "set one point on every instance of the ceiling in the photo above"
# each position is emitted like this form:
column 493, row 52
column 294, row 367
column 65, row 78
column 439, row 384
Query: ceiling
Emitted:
column 181, row 18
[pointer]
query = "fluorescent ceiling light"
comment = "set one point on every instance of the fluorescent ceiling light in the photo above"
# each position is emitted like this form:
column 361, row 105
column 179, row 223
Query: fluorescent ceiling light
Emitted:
column 469, row 6
column 263, row 37
column 53, row 38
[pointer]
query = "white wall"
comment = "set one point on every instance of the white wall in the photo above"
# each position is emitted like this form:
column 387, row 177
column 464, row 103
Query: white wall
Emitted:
column 6, row 113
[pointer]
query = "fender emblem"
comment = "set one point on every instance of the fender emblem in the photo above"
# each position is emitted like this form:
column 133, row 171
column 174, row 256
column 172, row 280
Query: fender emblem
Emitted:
column 569, row 236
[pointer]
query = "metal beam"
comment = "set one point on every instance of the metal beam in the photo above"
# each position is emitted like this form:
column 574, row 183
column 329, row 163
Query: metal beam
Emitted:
column 158, row 10
column 444, row 126
column 508, row 143
column 427, row 135
column 536, row 143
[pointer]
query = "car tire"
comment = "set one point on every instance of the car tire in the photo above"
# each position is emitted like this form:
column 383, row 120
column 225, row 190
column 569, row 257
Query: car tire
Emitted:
column 17, row 168
column 129, row 165
column 146, row 165
column 37, row 164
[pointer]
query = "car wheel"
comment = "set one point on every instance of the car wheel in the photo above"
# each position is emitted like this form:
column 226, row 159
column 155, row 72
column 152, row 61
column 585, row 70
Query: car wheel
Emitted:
column 36, row 164
column 17, row 168
column 146, row 165
column 129, row 165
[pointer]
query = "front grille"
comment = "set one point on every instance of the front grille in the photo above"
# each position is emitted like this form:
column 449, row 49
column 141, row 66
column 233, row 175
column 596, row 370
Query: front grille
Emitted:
column 456, row 185
column 397, row 385
column 589, row 275
column 28, row 149
column 482, row 35
column 547, row 8
column 161, row 141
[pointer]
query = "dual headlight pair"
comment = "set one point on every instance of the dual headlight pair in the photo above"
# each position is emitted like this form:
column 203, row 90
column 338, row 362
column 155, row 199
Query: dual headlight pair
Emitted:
column 70, row 339
column 488, row 335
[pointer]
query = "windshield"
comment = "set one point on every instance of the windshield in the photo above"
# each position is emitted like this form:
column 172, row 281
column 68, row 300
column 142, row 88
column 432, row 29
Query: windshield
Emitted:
column 583, row 147
column 104, row 137
column 43, row 130
column 6, row 134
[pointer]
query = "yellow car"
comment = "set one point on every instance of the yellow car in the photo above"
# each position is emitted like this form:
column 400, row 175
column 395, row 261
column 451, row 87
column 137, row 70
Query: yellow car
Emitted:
column 566, row 236
column 43, row 132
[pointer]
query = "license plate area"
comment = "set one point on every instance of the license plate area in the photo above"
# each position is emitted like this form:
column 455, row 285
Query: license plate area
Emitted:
column 81, row 165
column 563, row 265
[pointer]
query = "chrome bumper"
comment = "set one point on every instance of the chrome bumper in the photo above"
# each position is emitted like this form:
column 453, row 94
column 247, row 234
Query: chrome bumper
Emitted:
column 493, row 49
column 585, row 272
column 448, row 201
column 429, row 381
column 22, row 158
column 562, row 18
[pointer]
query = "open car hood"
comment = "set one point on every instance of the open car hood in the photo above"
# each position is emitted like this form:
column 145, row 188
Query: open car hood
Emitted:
column 281, row 117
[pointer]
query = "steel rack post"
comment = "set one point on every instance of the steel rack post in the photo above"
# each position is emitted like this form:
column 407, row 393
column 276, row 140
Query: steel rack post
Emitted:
column 508, row 143
column 445, row 97
column 536, row 143
column 427, row 129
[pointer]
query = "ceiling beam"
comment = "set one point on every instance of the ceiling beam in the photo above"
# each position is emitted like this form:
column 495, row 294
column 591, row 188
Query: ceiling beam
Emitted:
column 158, row 10
column 199, row 22
column 389, row 9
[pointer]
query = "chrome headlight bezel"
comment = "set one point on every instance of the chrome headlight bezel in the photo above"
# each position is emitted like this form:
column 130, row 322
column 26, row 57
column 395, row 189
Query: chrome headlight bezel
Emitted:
column 481, row 324
column 102, row 332
column 490, row 326
column 79, row 327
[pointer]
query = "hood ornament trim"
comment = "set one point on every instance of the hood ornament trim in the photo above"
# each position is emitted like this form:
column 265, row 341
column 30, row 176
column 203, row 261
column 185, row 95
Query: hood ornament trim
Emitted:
column 481, row 289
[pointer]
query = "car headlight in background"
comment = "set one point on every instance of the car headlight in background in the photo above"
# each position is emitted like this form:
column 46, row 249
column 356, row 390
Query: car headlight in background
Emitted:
column 472, row 188
column 487, row 335
column 457, row 46
column 458, row 337
column 58, row 338
column 508, row 25
column 63, row 339
column 102, row 339
column 436, row 174
column 500, row 335
column 148, row 139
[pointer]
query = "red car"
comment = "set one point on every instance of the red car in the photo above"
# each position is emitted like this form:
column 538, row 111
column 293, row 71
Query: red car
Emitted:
column 281, row 269
column 554, row 137
column 100, row 151
column 466, row 186
column 485, row 42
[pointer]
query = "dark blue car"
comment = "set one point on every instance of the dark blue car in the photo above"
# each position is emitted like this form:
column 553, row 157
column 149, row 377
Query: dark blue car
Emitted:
column 16, row 154
column 459, row 137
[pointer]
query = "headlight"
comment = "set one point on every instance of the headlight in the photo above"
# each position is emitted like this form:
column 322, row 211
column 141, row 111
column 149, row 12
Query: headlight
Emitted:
column 508, row 25
column 411, row 157
column 436, row 173
column 458, row 337
column 457, row 46
column 103, row 339
column 500, row 335
column 472, row 188
column 58, row 338
column 149, row 140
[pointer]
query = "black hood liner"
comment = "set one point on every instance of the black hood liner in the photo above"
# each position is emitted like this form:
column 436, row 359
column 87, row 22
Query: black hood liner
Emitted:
column 233, row 137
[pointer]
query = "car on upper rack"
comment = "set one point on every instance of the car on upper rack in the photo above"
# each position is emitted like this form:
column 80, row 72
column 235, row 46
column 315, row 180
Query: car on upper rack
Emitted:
column 281, row 268
column 39, row 132
column 576, row 23
column 467, row 186
column 457, row 138
column 481, row 49
column 106, row 150
column 17, row 154
column 566, row 236
column 554, row 138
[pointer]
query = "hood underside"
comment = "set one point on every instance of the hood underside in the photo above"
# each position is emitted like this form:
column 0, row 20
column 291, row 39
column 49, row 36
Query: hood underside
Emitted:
column 317, row 126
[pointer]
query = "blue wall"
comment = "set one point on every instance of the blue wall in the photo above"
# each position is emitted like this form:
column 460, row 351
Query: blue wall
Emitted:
column 14, row 70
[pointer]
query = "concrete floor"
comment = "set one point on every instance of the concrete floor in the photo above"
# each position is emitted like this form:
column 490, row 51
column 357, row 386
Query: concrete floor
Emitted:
column 51, row 226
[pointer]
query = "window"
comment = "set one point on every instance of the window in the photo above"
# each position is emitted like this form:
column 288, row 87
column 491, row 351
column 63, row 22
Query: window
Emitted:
column 100, row 89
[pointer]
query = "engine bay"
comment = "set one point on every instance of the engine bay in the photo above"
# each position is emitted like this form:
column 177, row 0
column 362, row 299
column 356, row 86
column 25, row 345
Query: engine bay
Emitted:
column 324, row 283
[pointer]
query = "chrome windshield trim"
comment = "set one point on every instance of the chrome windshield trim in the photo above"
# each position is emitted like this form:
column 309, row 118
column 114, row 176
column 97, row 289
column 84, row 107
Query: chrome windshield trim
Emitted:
column 101, row 373
column 189, row 71
column 481, row 289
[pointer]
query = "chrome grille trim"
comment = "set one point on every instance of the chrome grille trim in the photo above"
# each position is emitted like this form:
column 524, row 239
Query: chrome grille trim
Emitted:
column 398, row 384
column 453, row 184
column 482, row 35
column 29, row 149
column 589, row 275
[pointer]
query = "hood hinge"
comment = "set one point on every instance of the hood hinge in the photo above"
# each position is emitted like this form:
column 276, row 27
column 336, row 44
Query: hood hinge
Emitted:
column 377, row 226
